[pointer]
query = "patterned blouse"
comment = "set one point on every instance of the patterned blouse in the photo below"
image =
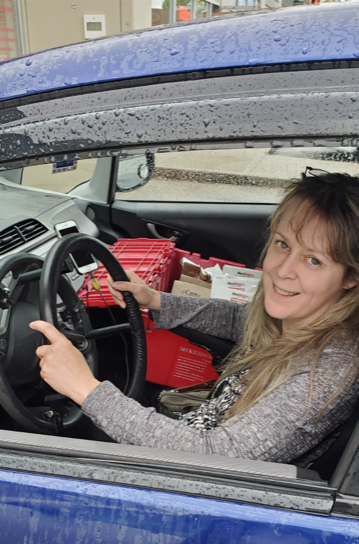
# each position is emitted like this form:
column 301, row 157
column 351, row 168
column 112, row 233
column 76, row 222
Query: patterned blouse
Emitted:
column 211, row 412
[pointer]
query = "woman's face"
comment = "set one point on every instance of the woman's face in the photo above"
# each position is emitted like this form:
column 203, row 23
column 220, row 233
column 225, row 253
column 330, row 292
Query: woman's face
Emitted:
column 300, row 280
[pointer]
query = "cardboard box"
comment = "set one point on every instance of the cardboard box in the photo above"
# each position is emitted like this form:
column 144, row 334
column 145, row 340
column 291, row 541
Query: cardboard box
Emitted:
column 189, row 289
column 195, row 281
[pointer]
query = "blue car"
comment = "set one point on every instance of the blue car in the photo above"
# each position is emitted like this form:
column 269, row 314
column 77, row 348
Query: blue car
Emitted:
column 183, row 136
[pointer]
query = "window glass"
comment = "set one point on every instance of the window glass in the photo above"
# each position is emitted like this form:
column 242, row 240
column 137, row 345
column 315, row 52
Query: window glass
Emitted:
column 201, row 9
column 60, row 177
column 236, row 175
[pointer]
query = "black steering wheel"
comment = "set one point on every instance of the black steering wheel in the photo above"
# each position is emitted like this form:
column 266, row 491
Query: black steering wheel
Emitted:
column 19, row 365
column 82, row 335
column 26, row 301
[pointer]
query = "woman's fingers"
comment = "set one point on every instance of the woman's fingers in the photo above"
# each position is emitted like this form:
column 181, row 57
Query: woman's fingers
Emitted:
column 144, row 295
column 42, row 351
column 117, row 295
column 136, row 286
column 47, row 330
column 62, row 366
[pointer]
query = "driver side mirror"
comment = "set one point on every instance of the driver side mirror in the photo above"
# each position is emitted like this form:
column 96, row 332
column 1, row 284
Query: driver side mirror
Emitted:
column 134, row 171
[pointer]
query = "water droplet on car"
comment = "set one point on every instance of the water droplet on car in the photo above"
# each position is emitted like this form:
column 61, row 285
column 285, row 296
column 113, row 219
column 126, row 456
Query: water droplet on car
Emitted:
column 174, row 52
column 305, row 50
column 277, row 38
column 28, row 62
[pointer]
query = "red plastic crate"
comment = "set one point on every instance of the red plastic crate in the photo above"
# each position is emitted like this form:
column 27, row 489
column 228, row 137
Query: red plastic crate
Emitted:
column 173, row 360
column 150, row 259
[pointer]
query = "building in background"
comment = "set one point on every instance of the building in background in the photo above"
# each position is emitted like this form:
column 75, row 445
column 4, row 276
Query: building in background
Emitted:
column 27, row 26
column 171, row 11
column 9, row 47
column 43, row 24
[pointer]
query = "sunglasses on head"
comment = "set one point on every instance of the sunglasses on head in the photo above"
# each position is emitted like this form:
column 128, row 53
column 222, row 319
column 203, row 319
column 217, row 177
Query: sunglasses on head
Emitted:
column 345, row 181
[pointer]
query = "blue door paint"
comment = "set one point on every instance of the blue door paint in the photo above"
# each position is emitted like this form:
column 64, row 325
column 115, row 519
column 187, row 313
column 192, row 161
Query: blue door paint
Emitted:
column 46, row 510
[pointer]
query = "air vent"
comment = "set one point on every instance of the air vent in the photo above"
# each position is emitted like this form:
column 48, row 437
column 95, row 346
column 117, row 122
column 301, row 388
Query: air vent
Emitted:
column 20, row 234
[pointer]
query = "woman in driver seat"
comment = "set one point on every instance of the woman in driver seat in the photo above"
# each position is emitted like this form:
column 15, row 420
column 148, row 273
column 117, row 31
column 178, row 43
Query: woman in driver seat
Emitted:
column 292, row 379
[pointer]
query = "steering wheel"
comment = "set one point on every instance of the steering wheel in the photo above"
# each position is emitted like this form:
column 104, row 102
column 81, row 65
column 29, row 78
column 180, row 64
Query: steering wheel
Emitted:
column 82, row 333
column 19, row 364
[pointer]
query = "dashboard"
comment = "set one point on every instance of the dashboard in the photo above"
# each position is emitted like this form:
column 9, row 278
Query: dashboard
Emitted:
column 28, row 217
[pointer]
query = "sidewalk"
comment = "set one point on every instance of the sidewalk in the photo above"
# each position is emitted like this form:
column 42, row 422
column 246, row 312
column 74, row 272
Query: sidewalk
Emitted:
column 260, row 167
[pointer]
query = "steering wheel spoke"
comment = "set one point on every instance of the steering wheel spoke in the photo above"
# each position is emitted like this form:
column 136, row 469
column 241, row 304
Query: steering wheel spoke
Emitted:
column 79, row 340
column 109, row 331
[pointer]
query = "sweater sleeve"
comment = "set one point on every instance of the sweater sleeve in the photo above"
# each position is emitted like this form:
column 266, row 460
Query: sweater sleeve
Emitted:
column 209, row 315
column 280, row 427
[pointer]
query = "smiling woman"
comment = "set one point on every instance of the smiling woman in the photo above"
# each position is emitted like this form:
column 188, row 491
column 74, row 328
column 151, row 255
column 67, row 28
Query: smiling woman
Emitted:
column 301, row 279
column 284, row 388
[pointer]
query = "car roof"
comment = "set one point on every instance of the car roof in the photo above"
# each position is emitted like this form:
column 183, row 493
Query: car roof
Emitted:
column 287, row 35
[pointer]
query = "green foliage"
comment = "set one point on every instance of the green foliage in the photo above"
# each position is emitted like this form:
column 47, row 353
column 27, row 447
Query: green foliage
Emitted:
column 166, row 3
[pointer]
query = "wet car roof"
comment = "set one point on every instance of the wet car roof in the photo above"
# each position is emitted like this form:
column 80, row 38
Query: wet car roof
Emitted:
column 287, row 35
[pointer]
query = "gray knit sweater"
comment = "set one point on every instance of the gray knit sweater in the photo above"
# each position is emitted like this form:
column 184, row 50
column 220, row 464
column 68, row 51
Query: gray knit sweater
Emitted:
column 281, row 427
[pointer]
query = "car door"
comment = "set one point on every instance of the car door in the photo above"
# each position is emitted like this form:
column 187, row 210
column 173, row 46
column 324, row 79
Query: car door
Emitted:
column 56, row 489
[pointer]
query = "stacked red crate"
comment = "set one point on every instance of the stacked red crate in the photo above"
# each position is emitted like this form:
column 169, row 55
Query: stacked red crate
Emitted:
column 150, row 259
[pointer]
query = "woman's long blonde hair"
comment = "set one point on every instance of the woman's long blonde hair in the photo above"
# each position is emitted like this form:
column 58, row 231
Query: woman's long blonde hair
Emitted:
column 271, row 358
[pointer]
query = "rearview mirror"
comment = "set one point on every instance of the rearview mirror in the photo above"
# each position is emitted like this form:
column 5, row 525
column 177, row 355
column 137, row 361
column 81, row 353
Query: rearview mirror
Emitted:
column 134, row 171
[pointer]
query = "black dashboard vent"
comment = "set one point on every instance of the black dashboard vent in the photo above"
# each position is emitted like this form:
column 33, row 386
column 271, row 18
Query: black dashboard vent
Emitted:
column 19, row 234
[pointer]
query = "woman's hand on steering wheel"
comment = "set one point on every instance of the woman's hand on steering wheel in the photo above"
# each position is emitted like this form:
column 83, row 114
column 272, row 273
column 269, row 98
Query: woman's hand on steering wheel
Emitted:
column 145, row 296
column 63, row 366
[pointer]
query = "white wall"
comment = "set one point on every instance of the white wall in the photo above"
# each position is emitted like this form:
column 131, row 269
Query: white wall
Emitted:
column 51, row 23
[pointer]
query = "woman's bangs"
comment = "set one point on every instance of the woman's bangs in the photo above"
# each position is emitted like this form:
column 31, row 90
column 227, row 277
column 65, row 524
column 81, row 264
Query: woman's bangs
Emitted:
column 312, row 213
